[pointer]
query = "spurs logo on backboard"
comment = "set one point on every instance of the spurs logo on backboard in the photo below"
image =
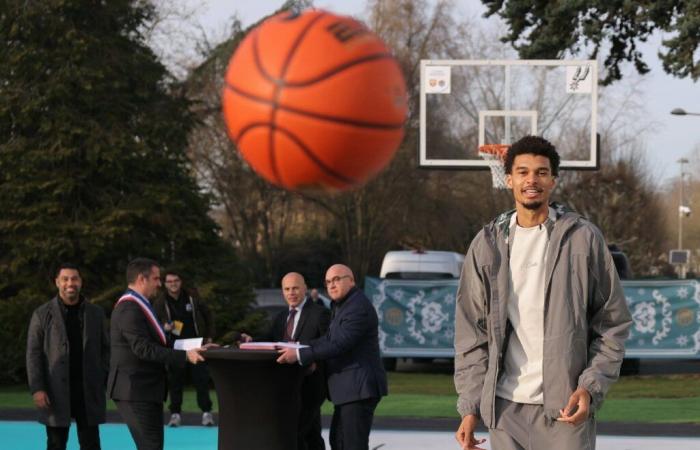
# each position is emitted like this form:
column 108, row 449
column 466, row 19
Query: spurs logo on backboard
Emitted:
column 578, row 79
column 344, row 31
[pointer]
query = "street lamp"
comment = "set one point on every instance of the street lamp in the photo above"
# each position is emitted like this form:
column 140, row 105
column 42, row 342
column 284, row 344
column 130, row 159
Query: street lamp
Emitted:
column 681, row 207
column 683, row 112
column 681, row 161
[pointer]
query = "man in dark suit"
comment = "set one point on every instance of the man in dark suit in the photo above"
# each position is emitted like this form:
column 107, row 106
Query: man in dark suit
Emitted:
column 314, row 297
column 139, row 353
column 355, row 375
column 302, row 322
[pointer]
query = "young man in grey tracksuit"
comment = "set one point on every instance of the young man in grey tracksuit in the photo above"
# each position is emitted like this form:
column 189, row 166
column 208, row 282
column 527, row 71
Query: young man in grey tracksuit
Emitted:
column 541, row 318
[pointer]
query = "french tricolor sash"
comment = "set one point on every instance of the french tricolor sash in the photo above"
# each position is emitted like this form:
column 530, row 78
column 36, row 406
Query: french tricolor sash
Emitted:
column 132, row 296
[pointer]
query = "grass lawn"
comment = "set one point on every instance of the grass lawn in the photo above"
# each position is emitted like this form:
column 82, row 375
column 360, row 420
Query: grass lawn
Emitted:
column 660, row 399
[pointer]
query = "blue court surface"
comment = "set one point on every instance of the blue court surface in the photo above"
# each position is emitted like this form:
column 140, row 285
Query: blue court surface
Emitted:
column 31, row 436
column 113, row 436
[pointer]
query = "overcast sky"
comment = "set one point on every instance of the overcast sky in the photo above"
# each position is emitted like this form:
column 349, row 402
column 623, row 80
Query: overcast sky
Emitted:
column 673, row 136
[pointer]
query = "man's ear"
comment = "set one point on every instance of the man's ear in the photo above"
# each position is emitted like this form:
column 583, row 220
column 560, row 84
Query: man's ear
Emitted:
column 509, row 180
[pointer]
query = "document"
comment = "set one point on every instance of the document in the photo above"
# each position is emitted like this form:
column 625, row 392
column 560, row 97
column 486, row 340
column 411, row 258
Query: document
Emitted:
column 269, row 345
column 187, row 344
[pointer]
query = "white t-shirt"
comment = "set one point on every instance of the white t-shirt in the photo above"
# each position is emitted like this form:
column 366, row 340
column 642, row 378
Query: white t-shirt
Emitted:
column 521, row 381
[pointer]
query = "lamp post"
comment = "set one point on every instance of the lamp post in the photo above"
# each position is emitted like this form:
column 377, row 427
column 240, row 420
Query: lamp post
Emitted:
column 682, row 162
column 681, row 212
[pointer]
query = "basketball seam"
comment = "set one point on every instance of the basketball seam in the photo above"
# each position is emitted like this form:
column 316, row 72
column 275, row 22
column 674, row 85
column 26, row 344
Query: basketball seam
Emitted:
column 307, row 151
column 278, row 88
column 329, row 118
column 338, row 69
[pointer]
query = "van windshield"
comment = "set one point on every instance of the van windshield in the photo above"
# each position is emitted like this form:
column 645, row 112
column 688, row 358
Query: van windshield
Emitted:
column 418, row 276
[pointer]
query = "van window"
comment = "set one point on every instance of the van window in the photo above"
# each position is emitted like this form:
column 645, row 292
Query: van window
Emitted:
column 418, row 276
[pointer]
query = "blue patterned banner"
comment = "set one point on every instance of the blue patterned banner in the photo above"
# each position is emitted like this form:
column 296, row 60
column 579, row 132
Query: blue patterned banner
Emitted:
column 666, row 317
column 416, row 318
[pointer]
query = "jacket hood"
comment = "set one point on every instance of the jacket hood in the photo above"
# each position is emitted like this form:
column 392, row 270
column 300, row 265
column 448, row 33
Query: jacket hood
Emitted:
column 501, row 224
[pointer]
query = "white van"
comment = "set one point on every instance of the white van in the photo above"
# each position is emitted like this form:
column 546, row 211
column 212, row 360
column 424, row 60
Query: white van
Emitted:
column 421, row 265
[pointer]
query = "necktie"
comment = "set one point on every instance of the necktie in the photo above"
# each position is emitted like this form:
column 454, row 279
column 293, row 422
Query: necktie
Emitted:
column 290, row 325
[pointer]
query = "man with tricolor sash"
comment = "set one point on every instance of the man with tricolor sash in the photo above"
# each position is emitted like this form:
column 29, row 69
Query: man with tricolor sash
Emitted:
column 139, row 354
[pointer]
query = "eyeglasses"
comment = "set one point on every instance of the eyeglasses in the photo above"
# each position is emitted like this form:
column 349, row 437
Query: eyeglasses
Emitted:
column 336, row 279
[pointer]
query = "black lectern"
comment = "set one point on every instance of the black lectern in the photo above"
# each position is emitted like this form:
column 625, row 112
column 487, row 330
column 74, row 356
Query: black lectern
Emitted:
column 259, row 400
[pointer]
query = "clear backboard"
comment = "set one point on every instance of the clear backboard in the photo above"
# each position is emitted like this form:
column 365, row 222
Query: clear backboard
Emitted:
column 465, row 104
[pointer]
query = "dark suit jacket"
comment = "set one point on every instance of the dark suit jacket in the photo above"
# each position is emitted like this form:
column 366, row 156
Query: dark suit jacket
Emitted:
column 138, row 359
column 313, row 323
column 350, row 350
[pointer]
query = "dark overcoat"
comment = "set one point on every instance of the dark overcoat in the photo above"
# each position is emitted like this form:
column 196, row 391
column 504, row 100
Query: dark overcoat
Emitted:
column 48, row 361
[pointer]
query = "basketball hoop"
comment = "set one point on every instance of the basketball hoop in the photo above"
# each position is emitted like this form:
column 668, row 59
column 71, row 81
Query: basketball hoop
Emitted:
column 495, row 155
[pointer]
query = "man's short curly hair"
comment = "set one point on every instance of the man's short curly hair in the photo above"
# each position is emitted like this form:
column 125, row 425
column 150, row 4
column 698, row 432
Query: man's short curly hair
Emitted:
column 533, row 145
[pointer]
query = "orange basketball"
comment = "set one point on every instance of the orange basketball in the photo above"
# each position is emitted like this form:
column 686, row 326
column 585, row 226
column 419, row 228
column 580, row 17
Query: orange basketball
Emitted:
column 314, row 101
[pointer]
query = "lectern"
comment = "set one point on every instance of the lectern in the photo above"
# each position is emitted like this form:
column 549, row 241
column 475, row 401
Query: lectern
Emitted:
column 259, row 400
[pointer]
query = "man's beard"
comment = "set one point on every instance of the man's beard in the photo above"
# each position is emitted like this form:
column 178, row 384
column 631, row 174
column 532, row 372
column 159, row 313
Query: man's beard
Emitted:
column 533, row 206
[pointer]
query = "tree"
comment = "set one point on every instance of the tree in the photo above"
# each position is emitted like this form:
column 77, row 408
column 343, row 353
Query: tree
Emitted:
column 254, row 215
column 92, row 161
column 621, row 200
column 547, row 30
column 691, row 220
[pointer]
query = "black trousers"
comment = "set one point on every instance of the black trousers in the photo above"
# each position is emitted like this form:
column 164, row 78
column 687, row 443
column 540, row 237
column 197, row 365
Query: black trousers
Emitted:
column 145, row 422
column 310, row 428
column 88, row 437
column 176, row 384
column 351, row 425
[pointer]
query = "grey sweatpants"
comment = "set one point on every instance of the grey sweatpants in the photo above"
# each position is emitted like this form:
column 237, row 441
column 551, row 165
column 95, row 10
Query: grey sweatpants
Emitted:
column 524, row 427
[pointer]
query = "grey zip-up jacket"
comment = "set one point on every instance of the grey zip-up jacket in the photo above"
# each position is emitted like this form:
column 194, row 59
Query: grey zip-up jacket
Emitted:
column 586, row 319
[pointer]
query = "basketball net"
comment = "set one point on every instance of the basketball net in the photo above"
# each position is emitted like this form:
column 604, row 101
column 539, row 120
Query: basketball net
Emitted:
column 495, row 155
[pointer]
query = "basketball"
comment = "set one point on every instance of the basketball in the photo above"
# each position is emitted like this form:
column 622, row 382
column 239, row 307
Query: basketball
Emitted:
column 314, row 101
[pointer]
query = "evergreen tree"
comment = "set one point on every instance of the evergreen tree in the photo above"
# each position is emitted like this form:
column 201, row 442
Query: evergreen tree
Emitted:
column 92, row 162
column 544, row 29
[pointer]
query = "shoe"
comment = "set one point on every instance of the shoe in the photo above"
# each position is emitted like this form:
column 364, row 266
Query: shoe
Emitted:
column 207, row 419
column 175, row 420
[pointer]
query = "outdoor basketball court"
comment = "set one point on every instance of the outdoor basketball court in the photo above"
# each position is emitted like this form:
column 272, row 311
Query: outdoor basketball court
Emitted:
column 31, row 436
column 440, row 440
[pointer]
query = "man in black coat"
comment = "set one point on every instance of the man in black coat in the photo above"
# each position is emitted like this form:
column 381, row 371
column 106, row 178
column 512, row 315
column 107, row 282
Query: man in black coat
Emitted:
column 302, row 322
column 185, row 316
column 350, row 349
column 139, row 355
column 67, row 363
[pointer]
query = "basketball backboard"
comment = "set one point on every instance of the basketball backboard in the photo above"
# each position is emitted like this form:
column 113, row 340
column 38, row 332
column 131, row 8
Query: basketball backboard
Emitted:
column 465, row 104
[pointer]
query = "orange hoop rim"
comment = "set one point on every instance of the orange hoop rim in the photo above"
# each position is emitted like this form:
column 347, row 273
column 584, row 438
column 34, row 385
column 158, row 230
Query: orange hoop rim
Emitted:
column 495, row 149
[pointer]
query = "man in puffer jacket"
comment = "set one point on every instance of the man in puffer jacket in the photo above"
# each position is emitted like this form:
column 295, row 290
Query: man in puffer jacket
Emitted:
column 541, row 318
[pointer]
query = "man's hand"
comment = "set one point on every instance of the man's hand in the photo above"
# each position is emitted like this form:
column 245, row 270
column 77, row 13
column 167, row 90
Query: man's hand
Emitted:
column 194, row 355
column 168, row 326
column 579, row 402
column 41, row 400
column 310, row 369
column 465, row 433
column 245, row 338
column 287, row 356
